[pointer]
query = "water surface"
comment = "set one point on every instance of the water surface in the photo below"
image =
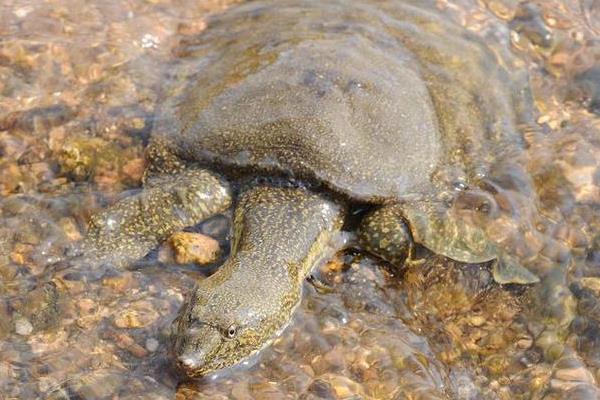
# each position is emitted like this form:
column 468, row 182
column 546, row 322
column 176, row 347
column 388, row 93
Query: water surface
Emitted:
column 79, row 84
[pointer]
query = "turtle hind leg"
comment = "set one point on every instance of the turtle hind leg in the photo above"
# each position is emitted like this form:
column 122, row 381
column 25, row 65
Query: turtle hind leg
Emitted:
column 384, row 233
column 130, row 228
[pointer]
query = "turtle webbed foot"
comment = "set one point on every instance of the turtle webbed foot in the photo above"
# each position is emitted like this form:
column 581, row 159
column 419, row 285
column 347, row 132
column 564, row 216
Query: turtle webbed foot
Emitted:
column 506, row 269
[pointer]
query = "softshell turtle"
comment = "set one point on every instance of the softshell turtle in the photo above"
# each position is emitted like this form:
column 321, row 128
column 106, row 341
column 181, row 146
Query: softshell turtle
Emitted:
column 383, row 104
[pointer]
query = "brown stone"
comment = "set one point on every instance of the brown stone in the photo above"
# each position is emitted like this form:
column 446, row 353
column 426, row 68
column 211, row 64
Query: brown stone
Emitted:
column 69, row 227
column 139, row 315
column 126, row 342
column 343, row 387
column 134, row 169
column 196, row 248
column 477, row 320
column 120, row 283
column 592, row 284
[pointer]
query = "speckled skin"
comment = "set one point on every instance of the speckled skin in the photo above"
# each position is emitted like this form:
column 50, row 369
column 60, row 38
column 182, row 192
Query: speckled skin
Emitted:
column 386, row 103
column 255, row 292
column 130, row 229
column 384, row 232
column 380, row 101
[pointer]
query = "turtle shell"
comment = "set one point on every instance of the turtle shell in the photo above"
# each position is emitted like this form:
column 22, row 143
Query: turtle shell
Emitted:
column 378, row 101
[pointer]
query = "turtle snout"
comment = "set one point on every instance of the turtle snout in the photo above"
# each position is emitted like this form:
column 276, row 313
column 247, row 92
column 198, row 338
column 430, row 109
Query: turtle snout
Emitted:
column 195, row 350
column 191, row 363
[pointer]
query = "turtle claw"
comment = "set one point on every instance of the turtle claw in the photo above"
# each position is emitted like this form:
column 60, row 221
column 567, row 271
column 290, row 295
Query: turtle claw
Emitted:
column 320, row 286
column 415, row 262
column 506, row 270
column 411, row 258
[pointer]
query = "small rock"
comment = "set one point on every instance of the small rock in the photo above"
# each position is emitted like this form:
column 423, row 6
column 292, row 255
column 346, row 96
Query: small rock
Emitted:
column 151, row 345
column 107, row 178
column 126, row 342
column 266, row 391
column 23, row 327
column 194, row 248
column 191, row 28
column 240, row 391
column 495, row 341
column 319, row 364
column 134, row 169
column 10, row 178
column 343, row 387
column 97, row 385
column 120, row 283
column 335, row 358
column 139, row 315
column 46, row 342
column 525, row 342
column 46, row 384
column 56, row 138
column 43, row 306
column 592, row 284
column 5, row 322
column 21, row 252
column 137, row 123
column 477, row 320
column 496, row 364
column 86, row 306
column 17, row 258
column 321, row 389
column 128, row 319
column 88, row 322
column 69, row 226
column 574, row 374
column 77, row 158
column 38, row 117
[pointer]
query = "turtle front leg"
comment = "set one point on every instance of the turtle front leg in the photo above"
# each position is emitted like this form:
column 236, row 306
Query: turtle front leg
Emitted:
column 129, row 229
column 384, row 233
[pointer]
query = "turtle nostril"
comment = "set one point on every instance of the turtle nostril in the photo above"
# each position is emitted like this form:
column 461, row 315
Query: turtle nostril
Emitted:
column 191, row 362
column 187, row 363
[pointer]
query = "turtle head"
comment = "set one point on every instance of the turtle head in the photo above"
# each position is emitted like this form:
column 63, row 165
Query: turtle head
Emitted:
column 217, row 328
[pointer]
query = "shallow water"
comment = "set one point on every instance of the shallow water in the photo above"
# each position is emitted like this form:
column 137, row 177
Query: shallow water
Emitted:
column 79, row 85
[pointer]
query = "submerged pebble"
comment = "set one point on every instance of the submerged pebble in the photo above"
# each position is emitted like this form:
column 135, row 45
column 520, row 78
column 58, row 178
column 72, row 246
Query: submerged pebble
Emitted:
column 37, row 119
column 137, row 315
column 151, row 345
column 23, row 327
column 196, row 248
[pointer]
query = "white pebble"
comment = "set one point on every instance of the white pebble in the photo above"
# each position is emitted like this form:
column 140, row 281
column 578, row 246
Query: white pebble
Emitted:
column 150, row 41
column 23, row 327
column 151, row 345
column 23, row 11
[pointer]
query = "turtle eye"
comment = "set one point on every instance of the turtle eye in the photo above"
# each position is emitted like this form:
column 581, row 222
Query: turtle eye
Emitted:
column 231, row 331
